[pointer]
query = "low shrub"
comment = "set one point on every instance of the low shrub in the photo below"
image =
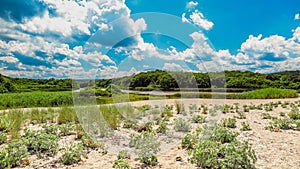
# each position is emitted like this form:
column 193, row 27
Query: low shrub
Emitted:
column 123, row 154
column 72, row 154
column 229, row 123
column 13, row 154
column 181, row 125
column 198, row 119
column 40, row 143
column 3, row 137
column 162, row 127
column 222, row 150
column 277, row 124
column 245, row 126
column 147, row 146
column 121, row 164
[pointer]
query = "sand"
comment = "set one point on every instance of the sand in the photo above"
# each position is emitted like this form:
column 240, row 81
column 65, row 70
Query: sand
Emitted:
column 274, row 150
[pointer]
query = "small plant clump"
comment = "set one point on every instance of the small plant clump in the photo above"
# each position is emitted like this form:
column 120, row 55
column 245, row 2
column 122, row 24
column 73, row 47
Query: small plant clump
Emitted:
column 123, row 154
column 147, row 146
column 121, row 164
column 3, row 137
column 181, row 125
column 162, row 127
column 41, row 143
column 229, row 123
column 245, row 126
column 73, row 154
column 129, row 124
column 13, row 154
column 282, row 114
column 277, row 124
column 294, row 114
column 222, row 150
column 198, row 119
column 266, row 116
column 241, row 115
column 179, row 108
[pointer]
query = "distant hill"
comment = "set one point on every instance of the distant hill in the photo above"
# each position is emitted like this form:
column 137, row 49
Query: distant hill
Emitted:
column 163, row 80
column 233, row 79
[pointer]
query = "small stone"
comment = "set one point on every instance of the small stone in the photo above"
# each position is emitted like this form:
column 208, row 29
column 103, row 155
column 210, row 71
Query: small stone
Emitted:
column 178, row 158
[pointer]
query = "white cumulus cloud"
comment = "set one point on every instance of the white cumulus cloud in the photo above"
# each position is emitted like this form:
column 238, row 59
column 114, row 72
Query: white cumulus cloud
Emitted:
column 191, row 4
column 297, row 16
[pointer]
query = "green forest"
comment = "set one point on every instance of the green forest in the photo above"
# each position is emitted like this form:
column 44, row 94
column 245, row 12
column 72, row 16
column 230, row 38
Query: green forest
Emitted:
column 9, row 85
column 158, row 79
column 233, row 80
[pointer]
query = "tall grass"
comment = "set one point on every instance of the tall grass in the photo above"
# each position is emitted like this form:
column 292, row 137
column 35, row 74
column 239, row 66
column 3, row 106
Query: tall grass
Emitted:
column 15, row 119
column 35, row 99
column 268, row 93
column 67, row 115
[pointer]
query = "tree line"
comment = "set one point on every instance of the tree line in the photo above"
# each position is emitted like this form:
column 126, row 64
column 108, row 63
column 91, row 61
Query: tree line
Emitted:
column 164, row 80
column 8, row 85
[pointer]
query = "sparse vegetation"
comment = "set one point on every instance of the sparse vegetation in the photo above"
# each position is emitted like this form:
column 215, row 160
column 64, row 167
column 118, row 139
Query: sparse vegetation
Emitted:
column 245, row 126
column 149, row 125
column 222, row 150
column 121, row 164
column 181, row 125
column 72, row 154
column 147, row 146
column 229, row 123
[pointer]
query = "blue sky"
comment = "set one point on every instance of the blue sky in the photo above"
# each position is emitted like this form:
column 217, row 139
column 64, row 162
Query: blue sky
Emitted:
column 110, row 38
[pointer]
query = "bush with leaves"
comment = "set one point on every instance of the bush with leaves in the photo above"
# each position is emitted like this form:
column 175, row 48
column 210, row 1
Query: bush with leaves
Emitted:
column 198, row 119
column 266, row 116
column 294, row 114
column 129, row 124
column 229, row 123
column 282, row 114
column 193, row 108
column 167, row 112
column 40, row 142
column 277, row 124
column 181, row 125
column 223, row 135
column 66, row 129
column 5, row 123
column 147, row 146
column 51, row 129
column 123, row 154
column 90, row 142
column 297, row 123
column 245, row 126
column 121, row 164
column 13, row 155
column 3, row 137
column 189, row 140
column 162, row 127
column 241, row 115
column 73, row 154
column 148, row 126
column 222, row 150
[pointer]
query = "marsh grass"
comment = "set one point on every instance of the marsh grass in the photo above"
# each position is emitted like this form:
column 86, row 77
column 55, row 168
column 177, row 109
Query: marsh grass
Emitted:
column 35, row 99
column 111, row 116
column 38, row 116
column 268, row 93
column 15, row 123
column 67, row 115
